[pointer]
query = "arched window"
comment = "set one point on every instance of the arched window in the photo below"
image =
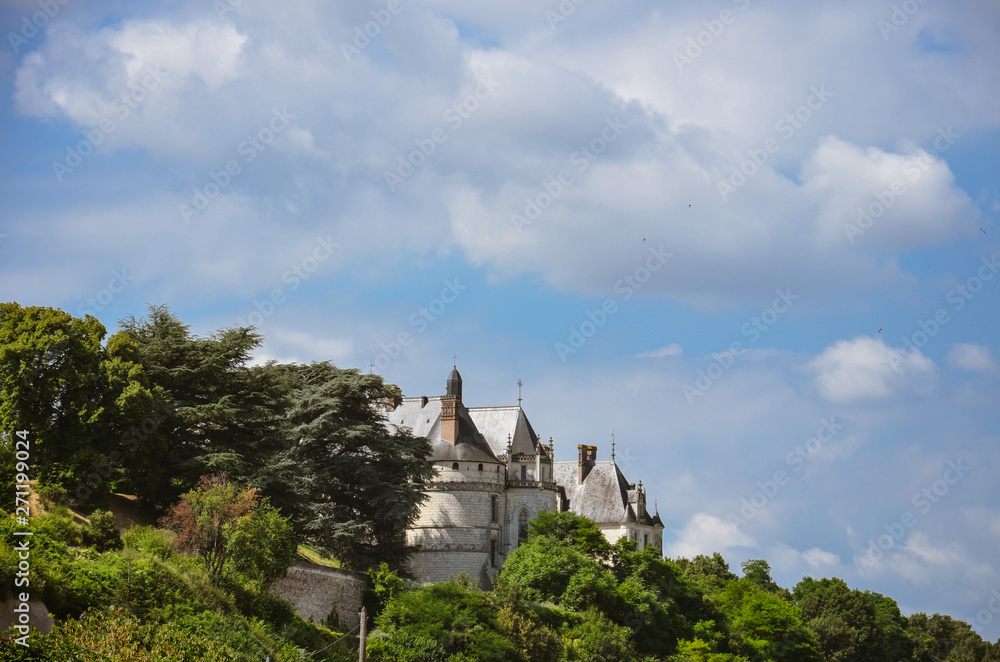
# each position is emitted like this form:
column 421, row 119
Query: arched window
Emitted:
column 480, row 467
column 522, row 525
column 455, row 466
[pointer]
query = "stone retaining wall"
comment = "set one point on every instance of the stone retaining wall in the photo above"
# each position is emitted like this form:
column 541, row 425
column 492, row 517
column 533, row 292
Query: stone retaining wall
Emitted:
column 316, row 590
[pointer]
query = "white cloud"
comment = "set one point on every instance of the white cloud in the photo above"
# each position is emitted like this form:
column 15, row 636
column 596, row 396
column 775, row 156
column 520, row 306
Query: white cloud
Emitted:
column 672, row 349
column 969, row 356
column 706, row 534
column 865, row 368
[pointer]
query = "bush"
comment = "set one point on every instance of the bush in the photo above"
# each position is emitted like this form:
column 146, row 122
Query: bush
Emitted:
column 101, row 533
column 150, row 540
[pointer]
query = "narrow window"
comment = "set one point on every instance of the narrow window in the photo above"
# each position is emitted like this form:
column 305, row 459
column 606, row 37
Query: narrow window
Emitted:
column 494, row 502
column 524, row 472
column 645, row 540
column 455, row 466
column 480, row 467
column 522, row 526
column 493, row 553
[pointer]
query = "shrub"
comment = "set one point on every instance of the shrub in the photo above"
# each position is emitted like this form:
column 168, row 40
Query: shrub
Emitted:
column 101, row 533
column 149, row 539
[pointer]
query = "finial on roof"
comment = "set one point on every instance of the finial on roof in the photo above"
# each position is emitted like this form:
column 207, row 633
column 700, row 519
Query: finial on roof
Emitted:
column 612, row 445
column 519, row 385
column 371, row 367
column 552, row 447
column 509, row 442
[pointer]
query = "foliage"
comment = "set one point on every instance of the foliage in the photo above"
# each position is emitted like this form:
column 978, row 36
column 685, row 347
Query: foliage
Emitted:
column 354, row 486
column 544, row 566
column 569, row 527
column 227, row 524
column 597, row 639
column 74, row 396
column 440, row 622
column 204, row 517
column 383, row 585
column 101, row 533
column 764, row 624
column 150, row 540
column 261, row 546
column 223, row 416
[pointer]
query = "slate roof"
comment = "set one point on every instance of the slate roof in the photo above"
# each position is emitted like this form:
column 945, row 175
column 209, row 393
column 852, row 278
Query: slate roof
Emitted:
column 605, row 496
column 423, row 418
column 495, row 423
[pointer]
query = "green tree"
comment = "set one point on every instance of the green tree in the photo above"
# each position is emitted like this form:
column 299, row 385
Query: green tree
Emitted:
column 571, row 528
column 763, row 624
column 261, row 546
column 73, row 395
column 440, row 622
column 102, row 533
column 711, row 574
column 225, row 416
column 544, row 567
column 355, row 486
column 223, row 522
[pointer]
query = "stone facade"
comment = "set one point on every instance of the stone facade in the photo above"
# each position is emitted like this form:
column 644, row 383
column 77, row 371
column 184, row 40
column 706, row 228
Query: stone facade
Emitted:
column 493, row 475
column 317, row 590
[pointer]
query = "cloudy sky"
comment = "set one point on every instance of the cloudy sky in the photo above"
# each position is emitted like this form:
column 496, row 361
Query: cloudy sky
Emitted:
column 758, row 240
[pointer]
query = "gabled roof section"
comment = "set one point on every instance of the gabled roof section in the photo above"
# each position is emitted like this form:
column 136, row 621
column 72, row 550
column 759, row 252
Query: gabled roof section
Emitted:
column 422, row 416
column 496, row 423
column 603, row 497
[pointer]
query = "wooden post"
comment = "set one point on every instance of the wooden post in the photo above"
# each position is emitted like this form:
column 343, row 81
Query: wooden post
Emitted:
column 363, row 635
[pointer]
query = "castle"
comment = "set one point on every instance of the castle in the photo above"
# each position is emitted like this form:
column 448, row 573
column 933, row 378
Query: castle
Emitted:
column 493, row 475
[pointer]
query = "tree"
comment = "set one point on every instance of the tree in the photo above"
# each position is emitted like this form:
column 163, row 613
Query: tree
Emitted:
column 74, row 396
column 225, row 416
column 221, row 522
column 711, row 574
column 440, row 622
column 763, row 624
column 261, row 546
column 571, row 528
column 355, row 485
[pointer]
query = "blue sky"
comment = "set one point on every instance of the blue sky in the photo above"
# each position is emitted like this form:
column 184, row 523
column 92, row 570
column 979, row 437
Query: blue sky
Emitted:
column 756, row 239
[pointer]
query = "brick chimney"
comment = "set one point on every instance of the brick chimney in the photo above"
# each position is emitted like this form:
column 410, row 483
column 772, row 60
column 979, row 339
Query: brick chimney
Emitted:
column 449, row 419
column 588, row 456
